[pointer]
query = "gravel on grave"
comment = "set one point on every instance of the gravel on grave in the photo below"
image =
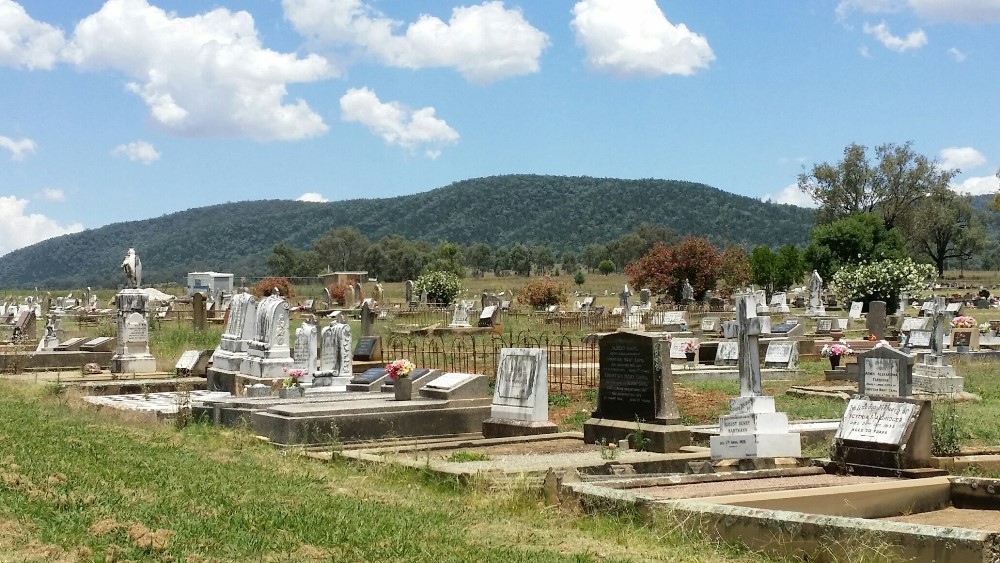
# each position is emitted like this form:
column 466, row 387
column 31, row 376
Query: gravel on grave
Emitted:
column 532, row 456
column 988, row 520
column 762, row 485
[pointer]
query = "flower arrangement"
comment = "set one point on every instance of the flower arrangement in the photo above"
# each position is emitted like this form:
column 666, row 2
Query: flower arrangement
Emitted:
column 399, row 368
column 984, row 328
column 836, row 350
column 963, row 322
column 871, row 337
column 690, row 347
column 294, row 378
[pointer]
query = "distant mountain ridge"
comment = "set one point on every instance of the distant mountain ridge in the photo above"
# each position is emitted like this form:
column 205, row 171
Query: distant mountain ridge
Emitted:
column 566, row 213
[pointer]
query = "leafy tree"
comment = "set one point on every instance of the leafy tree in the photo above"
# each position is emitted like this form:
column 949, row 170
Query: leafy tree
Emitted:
column 736, row 271
column 442, row 287
column 861, row 237
column 543, row 259
column 501, row 261
column 652, row 234
column 665, row 268
column 568, row 261
column 343, row 247
column 542, row 292
column 266, row 286
column 764, row 267
column 946, row 227
column 890, row 187
column 791, row 267
column 520, row 260
column 606, row 267
column 579, row 279
column 394, row 259
column 593, row 255
column 479, row 258
column 626, row 248
column 446, row 258
column 283, row 260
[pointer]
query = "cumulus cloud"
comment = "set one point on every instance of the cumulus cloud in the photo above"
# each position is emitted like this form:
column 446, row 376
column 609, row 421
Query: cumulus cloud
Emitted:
column 791, row 195
column 312, row 197
column 634, row 38
column 957, row 55
column 484, row 42
column 395, row 123
column 54, row 195
column 978, row 185
column 201, row 76
column 18, row 148
column 957, row 11
column 954, row 158
column 25, row 42
column 914, row 40
column 137, row 151
column 18, row 229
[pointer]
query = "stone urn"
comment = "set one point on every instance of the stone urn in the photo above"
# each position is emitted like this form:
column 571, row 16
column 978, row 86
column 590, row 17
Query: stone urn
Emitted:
column 836, row 334
column 403, row 389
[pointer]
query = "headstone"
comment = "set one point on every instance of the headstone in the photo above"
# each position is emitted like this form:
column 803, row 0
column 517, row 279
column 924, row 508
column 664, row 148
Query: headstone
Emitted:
column 687, row 293
column 856, row 308
column 914, row 323
column 488, row 317
column 305, row 350
column 934, row 374
column 816, row 306
column 670, row 321
column 876, row 319
column 874, row 436
column 752, row 429
column 336, row 359
column 368, row 380
column 955, row 308
column 824, row 326
column 198, row 311
column 187, row 362
column 132, row 352
column 728, row 353
column 349, row 297
column 367, row 318
column 232, row 349
column 505, row 305
column 782, row 355
column 368, row 349
column 677, row 346
column 644, row 296
column 409, row 291
column 779, row 303
column 919, row 338
column 885, row 372
column 521, row 396
column 268, row 354
column 710, row 324
column 450, row 381
column 460, row 317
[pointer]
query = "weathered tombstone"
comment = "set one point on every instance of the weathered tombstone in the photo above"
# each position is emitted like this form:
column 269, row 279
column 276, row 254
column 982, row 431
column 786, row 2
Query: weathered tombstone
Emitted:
column 505, row 305
column 824, row 326
column 198, row 311
column 192, row 363
column 782, row 355
column 670, row 321
column 876, row 319
column 644, row 295
column 856, row 308
column 678, row 348
column 752, row 429
column 368, row 349
column 521, row 396
column 816, row 306
column 304, row 351
column 336, row 359
column 710, row 324
column 367, row 318
column 132, row 352
column 268, row 355
column 885, row 372
column 934, row 374
column 919, row 338
column 359, row 293
column 728, row 353
column 687, row 293
column 636, row 390
column 883, row 437
column 409, row 291
column 232, row 348
column 779, row 302
column 349, row 297
column 488, row 317
column 914, row 323
column 460, row 317
column 327, row 298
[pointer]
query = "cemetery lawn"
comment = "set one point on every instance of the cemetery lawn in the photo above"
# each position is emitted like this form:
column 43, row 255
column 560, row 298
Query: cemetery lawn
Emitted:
column 80, row 485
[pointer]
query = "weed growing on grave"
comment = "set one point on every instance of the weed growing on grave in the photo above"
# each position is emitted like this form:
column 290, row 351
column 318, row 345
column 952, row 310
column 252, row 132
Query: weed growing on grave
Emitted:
column 946, row 430
column 558, row 400
column 637, row 439
column 461, row 457
column 608, row 451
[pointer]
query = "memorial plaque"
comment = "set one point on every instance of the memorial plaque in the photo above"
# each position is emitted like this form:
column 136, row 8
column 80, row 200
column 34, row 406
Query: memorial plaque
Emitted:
column 782, row 354
column 488, row 317
column 954, row 307
column 301, row 352
column 919, row 339
column 521, row 391
column 710, row 324
column 961, row 337
column 629, row 372
column 449, row 381
column 188, row 361
column 855, row 312
column 677, row 348
column 885, row 372
column 824, row 326
column 366, row 348
column 136, row 328
column 881, row 422
column 368, row 376
column 728, row 353
column 914, row 323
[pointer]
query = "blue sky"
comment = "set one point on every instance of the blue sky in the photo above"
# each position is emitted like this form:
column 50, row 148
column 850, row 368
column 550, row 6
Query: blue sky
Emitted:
column 129, row 109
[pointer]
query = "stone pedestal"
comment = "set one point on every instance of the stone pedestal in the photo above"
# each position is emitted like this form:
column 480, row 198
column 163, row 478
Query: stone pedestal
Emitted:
column 230, row 354
column 268, row 363
column 752, row 430
column 132, row 352
column 937, row 379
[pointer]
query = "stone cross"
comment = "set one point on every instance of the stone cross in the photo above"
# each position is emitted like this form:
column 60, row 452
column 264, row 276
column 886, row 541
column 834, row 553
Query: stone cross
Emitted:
column 747, row 329
column 938, row 312
column 623, row 298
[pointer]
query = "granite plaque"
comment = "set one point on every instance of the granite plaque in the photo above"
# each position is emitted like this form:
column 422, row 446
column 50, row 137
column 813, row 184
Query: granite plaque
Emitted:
column 629, row 374
column 919, row 339
column 449, row 381
column 885, row 372
column 368, row 376
column 781, row 355
column 914, row 323
column 880, row 422
column 366, row 348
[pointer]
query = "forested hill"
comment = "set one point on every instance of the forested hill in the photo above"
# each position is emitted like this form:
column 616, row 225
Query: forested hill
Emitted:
column 566, row 213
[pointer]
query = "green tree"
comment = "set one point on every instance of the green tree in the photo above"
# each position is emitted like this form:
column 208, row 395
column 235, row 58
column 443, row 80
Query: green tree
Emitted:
column 861, row 237
column 343, row 248
column 626, row 249
column 579, row 279
column 890, row 187
column 446, row 258
column 791, row 267
column 593, row 255
column 568, row 261
column 479, row 258
column 736, row 271
column 543, row 259
column 764, row 267
column 606, row 267
column 520, row 259
column 947, row 227
column 501, row 261
column 283, row 260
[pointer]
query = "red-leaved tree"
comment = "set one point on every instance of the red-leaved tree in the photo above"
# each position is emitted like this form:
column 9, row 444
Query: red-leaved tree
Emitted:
column 664, row 268
column 735, row 268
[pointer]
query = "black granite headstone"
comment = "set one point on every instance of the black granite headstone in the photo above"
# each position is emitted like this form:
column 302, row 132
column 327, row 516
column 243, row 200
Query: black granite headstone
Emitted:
column 368, row 376
column 629, row 371
column 365, row 349
column 416, row 374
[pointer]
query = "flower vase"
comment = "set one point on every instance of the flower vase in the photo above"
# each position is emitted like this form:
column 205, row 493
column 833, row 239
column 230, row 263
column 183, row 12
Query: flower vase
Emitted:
column 403, row 388
column 690, row 360
column 291, row 392
column 834, row 362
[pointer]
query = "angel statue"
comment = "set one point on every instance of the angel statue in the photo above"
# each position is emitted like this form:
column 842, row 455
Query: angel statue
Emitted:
column 132, row 267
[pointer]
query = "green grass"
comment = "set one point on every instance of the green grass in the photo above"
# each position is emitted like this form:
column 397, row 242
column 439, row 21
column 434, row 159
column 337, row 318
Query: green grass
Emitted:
column 462, row 457
column 78, row 483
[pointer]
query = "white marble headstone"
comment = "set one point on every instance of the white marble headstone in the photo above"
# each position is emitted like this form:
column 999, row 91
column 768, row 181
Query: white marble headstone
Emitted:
column 522, row 391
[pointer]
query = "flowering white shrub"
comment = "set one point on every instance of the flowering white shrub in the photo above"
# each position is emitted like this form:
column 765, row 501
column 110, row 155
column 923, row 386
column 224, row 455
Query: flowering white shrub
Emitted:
column 882, row 280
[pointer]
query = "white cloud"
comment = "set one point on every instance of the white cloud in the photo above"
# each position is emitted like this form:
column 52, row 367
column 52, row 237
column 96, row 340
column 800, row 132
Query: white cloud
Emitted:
column 634, row 38
column 395, row 123
column 954, row 158
column 54, row 195
column 312, row 197
column 957, row 55
column 914, row 40
column 137, row 151
column 978, row 185
column 958, row 11
column 863, row 50
column 484, row 42
column 18, row 229
column 201, row 76
column 18, row 148
column 791, row 195
column 25, row 42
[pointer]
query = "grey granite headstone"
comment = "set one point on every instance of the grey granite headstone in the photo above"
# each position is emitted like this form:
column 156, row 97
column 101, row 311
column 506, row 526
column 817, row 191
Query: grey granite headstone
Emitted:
column 876, row 319
column 885, row 372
